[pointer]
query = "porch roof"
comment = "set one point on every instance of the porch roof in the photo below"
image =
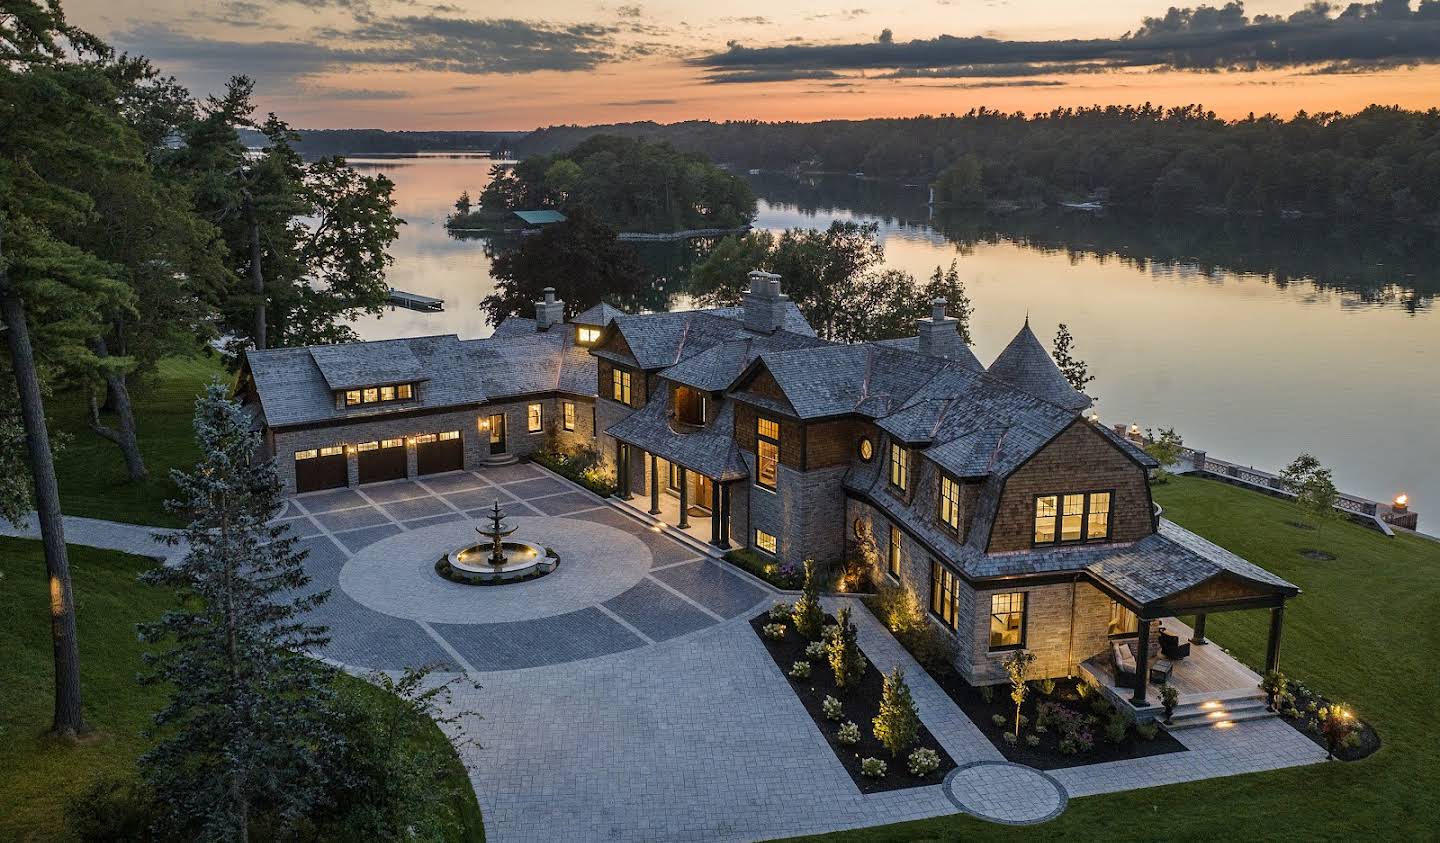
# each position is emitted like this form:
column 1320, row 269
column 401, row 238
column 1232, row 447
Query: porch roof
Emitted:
column 710, row 451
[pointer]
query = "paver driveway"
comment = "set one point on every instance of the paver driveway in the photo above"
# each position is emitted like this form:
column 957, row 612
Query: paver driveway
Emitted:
column 624, row 697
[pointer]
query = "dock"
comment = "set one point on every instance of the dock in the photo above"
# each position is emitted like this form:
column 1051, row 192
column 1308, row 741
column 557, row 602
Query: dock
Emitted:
column 415, row 301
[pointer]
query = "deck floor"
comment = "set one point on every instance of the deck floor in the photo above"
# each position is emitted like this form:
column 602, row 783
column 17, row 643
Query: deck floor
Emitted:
column 1207, row 673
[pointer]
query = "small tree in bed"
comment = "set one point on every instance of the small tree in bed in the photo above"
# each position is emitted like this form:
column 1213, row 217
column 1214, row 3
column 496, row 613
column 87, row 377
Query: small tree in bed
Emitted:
column 898, row 722
column 809, row 617
column 845, row 660
column 1018, row 666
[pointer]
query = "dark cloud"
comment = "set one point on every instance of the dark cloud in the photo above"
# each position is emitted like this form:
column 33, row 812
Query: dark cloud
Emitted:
column 643, row 102
column 1386, row 33
column 776, row 75
column 357, row 94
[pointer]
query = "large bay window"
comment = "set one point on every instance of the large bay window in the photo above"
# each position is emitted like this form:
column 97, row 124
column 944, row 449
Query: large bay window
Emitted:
column 899, row 467
column 944, row 594
column 767, row 452
column 1074, row 517
column 1007, row 621
column 950, row 503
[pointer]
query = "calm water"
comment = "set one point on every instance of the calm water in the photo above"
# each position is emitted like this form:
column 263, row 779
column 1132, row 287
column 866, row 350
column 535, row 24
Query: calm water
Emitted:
column 1254, row 341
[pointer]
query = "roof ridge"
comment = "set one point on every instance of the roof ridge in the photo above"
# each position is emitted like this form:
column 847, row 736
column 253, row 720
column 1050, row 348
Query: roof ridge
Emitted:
column 995, row 452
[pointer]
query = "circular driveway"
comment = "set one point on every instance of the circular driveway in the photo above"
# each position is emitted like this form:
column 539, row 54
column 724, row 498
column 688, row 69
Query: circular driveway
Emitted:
column 396, row 575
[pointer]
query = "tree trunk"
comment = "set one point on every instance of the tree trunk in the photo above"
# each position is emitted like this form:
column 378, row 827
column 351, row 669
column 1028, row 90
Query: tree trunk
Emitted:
column 68, row 719
column 257, row 273
column 119, row 394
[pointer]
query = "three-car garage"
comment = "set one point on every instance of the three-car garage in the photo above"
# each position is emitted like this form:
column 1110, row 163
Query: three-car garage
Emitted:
column 378, row 460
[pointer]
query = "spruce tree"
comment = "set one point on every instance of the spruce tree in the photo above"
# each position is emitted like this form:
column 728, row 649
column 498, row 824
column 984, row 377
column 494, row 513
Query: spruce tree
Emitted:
column 247, row 732
column 898, row 722
column 844, row 650
column 809, row 617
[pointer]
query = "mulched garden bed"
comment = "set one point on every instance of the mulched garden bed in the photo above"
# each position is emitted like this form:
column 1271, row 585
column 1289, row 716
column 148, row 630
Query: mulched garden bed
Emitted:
column 1365, row 740
column 861, row 705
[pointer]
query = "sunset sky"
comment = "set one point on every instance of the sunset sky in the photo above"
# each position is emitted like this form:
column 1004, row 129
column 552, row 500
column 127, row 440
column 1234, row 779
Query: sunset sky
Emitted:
column 467, row 64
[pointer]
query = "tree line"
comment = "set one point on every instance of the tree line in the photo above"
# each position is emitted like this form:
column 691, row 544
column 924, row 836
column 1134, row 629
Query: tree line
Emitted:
column 629, row 183
column 1380, row 162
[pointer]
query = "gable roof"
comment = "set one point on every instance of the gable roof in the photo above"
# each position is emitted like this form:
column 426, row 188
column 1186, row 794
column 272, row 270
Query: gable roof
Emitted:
column 834, row 380
column 718, row 366
column 1026, row 365
column 600, row 314
column 660, row 340
column 358, row 364
column 540, row 217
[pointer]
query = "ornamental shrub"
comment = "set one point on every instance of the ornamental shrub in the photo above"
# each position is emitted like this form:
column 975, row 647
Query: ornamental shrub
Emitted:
column 780, row 612
column 1010, row 739
column 773, row 631
column 800, row 670
column 828, row 633
column 1116, row 727
column 998, row 720
column 873, row 767
column 924, row 761
column 898, row 722
column 1017, row 666
column 832, row 708
column 1032, row 740
column 807, row 614
column 815, row 651
column 1148, row 731
column 849, row 734
column 844, row 649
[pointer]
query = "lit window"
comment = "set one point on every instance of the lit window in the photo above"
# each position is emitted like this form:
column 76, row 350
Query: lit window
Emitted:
column 767, row 452
column 404, row 392
column 1007, row 620
column 387, row 393
column 950, row 503
column 944, row 594
column 766, row 542
column 307, row 455
column 533, row 418
column 332, row 451
column 424, row 439
column 620, row 385
column 352, row 397
column 1072, row 518
column 371, row 395
column 1122, row 620
column 894, row 558
column 585, row 335
column 392, row 443
column 867, row 449
column 899, row 467
column 368, row 446
column 569, row 415
column 450, row 436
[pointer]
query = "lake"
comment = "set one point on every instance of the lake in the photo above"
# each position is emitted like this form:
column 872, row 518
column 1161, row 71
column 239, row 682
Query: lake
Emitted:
column 1255, row 340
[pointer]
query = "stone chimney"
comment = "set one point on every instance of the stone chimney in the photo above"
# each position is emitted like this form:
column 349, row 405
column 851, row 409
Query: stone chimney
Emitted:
column 764, row 304
column 938, row 334
column 549, row 312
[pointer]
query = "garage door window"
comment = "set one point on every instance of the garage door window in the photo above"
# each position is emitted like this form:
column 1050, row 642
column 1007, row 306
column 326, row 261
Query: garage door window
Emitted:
column 449, row 436
column 425, row 439
column 392, row 443
column 367, row 446
column 307, row 455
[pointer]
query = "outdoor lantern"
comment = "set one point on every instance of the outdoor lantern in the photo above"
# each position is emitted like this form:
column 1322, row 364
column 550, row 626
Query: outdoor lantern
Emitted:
column 1402, row 502
column 1094, row 418
column 483, row 422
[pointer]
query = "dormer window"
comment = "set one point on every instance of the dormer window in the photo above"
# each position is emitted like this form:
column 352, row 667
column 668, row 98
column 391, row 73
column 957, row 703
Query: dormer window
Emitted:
column 379, row 394
column 1077, row 517
column 690, row 406
column 586, row 335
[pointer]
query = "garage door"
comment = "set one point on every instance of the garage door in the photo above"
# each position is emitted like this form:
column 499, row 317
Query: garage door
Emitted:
column 437, row 452
column 383, row 460
column 320, row 468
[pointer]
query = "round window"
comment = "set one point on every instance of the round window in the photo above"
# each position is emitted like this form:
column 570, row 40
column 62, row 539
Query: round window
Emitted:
column 867, row 449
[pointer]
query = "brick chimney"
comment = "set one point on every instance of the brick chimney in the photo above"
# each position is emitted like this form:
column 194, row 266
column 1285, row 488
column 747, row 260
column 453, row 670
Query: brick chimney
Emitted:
column 764, row 305
column 549, row 312
column 938, row 334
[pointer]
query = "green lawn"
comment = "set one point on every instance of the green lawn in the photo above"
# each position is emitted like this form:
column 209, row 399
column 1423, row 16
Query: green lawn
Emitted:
column 38, row 775
column 1363, row 632
column 90, row 469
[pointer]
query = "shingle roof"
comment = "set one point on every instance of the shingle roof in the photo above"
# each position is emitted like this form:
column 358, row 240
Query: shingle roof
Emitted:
column 525, row 364
column 838, row 379
column 963, row 353
column 716, row 367
column 1026, row 365
column 660, row 340
column 600, row 314
column 710, row 451
column 355, row 364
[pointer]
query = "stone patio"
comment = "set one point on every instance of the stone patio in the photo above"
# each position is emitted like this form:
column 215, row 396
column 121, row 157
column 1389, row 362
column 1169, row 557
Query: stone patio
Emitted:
column 624, row 697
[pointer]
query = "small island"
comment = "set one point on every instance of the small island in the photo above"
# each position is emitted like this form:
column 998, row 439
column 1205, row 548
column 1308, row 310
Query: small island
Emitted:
column 644, row 189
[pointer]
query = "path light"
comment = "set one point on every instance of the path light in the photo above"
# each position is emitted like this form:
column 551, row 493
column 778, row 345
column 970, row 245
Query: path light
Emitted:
column 1402, row 502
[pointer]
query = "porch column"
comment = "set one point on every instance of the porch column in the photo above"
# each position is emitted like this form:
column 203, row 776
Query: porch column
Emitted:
column 623, row 467
column 684, row 497
column 1142, row 664
column 1199, row 634
column 724, row 516
column 654, row 485
column 715, row 513
column 1272, row 650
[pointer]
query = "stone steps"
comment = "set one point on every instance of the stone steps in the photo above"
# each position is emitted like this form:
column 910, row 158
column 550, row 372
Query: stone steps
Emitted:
column 1218, row 713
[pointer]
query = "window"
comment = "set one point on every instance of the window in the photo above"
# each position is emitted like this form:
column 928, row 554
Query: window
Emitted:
column 534, row 418
column 424, row 439
column 585, row 335
column 387, row 393
column 379, row 394
column 620, row 385
column 950, row 503
column 404, row 392
column 568, row 417
column 1122, row 620
column 944, row 594
column 894, row 557
column 371, row 395
column 1007, row 621
column 674, row 481
column 767, row 452
column 332, row 451
column 368, row 446
column 392, row 443
column 867, row 449
column 899, row 467
column 766, row 542
column 689, row 406
column 1074, row 517
column 307, row 455
column 352, row 397
column 449, row 436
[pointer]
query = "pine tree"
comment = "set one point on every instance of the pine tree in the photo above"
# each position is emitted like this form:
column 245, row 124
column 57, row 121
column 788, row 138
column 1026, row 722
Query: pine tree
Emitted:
column 844, row 650
column 247, row 731
column 1076, row 372
column 898, row 722
column 809, row 617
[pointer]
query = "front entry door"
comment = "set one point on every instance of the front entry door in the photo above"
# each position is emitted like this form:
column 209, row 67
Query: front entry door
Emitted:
column 497, row 434
column 701, row 491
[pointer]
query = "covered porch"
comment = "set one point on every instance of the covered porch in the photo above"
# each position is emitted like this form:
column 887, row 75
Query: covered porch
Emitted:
column 1206, row 673
column 692, row 502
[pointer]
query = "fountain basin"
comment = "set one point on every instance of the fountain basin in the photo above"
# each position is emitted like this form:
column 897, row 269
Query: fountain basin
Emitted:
column 471, row 565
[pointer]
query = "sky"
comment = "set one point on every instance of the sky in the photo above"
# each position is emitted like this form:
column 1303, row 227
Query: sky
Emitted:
column 481, row 64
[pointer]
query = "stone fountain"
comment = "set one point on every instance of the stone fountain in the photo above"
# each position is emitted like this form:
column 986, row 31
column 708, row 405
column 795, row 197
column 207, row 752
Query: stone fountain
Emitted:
column 497, row 560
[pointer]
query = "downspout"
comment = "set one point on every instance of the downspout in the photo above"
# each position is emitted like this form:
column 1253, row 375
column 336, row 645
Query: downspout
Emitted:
column 1070, row 649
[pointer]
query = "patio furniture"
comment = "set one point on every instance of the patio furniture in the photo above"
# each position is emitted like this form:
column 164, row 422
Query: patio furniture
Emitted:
column 1160, row 671
column 1123, row 660
column 1171, row 646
